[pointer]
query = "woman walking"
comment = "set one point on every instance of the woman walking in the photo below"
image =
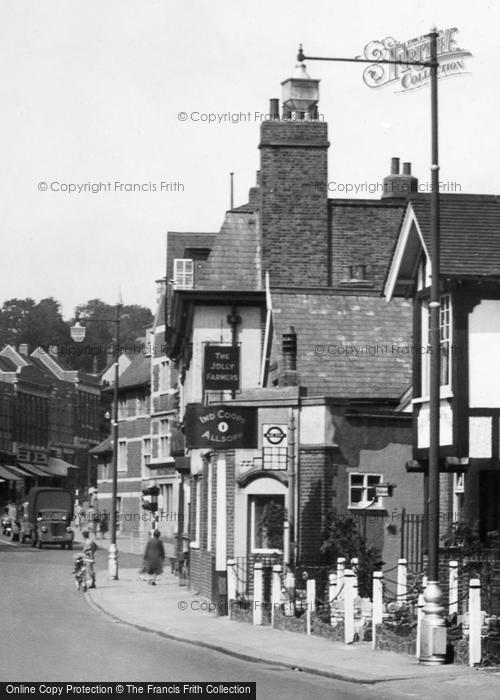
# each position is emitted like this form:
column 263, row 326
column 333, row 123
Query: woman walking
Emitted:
column 154, row 555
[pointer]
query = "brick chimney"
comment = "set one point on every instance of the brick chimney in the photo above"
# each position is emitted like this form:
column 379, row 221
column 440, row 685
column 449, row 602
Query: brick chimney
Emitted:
column 294, row 185
column 399, row 185
column 24, row 349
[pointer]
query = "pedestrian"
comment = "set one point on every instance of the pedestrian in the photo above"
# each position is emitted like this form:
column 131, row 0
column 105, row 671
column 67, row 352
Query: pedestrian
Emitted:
column 154, row 555
column 92, row 517
column 79, row 516
column 103, row 524
column 89, row 549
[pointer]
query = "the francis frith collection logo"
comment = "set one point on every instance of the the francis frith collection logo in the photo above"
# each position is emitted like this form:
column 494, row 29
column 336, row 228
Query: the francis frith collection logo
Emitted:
column 451, row 59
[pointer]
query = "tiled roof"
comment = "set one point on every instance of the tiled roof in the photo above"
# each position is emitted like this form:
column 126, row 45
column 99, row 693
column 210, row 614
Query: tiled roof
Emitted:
column 328, row 326
column 363, row 232
column 137, row 373
column 469, row 232
column 103, row 448
column 234, row 262
column 31, row 374
column 7, row 365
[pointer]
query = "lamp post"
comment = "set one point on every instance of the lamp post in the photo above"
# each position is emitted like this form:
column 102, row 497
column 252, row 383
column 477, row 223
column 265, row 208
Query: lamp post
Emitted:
column 78, row 334
column 433, row 640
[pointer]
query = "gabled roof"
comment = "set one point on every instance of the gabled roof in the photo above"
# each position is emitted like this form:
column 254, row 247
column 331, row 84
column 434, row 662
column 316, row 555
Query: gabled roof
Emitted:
column 6, row 365
column 345, row 343
column 138, row 373
column 234, row 262
column 469, row 239
column 469, row 232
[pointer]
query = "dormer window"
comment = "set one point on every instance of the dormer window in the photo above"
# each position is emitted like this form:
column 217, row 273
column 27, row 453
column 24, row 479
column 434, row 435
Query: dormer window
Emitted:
column 183, row 273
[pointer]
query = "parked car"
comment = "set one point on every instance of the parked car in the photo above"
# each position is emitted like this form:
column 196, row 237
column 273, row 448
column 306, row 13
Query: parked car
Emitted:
column 46, row 517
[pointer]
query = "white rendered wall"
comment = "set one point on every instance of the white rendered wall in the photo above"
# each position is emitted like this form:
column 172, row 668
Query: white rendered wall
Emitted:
column 484, row 354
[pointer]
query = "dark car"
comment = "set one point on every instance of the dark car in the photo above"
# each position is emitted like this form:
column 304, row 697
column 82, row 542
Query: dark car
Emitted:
column 46, row 519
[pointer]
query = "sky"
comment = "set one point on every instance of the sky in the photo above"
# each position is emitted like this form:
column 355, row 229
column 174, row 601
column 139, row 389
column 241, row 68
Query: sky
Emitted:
column 92, row 94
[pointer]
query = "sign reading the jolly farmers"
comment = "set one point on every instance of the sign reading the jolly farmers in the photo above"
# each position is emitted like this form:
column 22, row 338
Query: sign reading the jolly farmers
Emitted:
column 222, row 367
column 220, row 427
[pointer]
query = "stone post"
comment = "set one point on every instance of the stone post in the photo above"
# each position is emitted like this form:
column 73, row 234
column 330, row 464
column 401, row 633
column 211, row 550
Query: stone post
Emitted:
column 453, row 588
column 378, row 604
column 275, row 591
column 231, row 584
column 402, row 578
column 348, row 606
column 474, row 621
column 258, row 590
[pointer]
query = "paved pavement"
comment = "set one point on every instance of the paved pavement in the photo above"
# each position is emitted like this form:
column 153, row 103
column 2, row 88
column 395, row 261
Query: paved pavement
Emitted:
column 174, row 612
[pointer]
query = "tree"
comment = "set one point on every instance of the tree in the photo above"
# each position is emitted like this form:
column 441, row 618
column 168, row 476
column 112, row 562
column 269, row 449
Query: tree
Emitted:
column 342, row 539
column 42, row 324
column 24, row 321
column 100, row 338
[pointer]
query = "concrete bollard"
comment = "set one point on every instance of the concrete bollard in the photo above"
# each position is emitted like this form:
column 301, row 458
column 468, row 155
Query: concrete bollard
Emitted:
column 378, row 603
column 420, row 617
column 310, row 602
column 349, row 630
column 340, row 577
column 258, row 592
column 275, row 591
column 332, row 589
column 231, row 584
column 453, row 587
column 290, row 589
column 474, row 621
column 402, row 581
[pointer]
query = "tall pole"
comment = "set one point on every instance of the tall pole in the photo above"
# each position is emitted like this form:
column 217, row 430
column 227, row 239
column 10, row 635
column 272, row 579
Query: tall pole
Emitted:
column 113, row 551
column 433, row 638
column 433, row 635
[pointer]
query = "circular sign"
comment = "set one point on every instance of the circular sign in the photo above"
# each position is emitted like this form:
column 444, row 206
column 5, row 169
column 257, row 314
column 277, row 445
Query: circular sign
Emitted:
column 223, row 427
column 275, row 435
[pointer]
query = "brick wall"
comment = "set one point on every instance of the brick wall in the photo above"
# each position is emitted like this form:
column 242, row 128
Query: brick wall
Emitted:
column 294, row 216
column 202, row 572
column 317, row 473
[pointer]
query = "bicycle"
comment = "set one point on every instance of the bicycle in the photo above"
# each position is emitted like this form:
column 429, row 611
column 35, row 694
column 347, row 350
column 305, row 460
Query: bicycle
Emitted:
column 83, row 572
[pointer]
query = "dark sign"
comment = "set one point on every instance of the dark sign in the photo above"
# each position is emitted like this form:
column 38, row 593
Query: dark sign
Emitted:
column 222, row 367
column 221, row 427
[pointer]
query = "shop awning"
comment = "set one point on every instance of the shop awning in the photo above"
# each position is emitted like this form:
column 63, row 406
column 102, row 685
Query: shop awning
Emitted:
column 14, row 473
column 35, row 470
column 58, row 467
column 6, row 475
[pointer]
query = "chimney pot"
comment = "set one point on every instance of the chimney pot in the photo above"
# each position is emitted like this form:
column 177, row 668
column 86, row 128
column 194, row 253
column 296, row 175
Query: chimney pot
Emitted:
column 289, row 348
column 274, row 108
column 394, row 166
column 406, row 168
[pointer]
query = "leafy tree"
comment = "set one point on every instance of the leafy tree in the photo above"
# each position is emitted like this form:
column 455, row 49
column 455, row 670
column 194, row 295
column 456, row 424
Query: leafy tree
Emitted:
column 24, row 321
column 42, row 324
column 342, row 539
column 99, row 345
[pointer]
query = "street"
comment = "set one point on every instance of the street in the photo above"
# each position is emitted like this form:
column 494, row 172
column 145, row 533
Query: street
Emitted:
column 50, row 632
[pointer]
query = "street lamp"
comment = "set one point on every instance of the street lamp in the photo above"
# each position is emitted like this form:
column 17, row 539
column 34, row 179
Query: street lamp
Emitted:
column 78, row 335
column 433, row 637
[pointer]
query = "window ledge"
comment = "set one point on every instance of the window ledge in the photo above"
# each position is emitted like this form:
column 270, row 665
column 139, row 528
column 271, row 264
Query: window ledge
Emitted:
column 266, row 551
column 367, row 508
column 446, row 393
